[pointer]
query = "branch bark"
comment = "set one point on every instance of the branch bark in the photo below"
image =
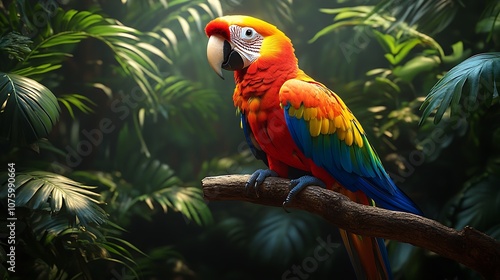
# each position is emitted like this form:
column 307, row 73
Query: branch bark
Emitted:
column 468, row 246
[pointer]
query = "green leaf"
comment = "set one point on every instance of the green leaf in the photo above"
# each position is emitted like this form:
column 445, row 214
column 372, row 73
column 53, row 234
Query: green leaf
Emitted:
column 185, row 27
column 235, row 231
column 400, row 255
column 353, row 16
column 181, row 96
column 186, row 200
column 59, row 39
column 132, row 49
column 403, row 48
column 49, row 226
column 458, row 54
column 430, row 16
column 40, row 190
column 28, row 110
column 377, row 71
column 389, row 83
column 36, row 70
column 159, row 185
column 216, row 7
column 489, row 24
column 481, row 74
column 280, row 236
column 387, row 41
column 490, row 20
column 415, row 66
column 477, row 204
column 396, row 49
column 16, row 45
column 78, row 101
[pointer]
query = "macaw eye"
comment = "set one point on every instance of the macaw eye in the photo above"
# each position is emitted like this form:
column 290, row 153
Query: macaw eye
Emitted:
column 248, row 33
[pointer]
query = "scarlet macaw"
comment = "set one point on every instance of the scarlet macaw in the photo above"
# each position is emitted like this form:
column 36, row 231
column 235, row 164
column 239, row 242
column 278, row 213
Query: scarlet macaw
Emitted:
column 301, row 129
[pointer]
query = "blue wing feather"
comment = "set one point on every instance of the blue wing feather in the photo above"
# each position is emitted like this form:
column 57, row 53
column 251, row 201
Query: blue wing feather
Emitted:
column 351, row 165
column 345, row 157
column 256, row 151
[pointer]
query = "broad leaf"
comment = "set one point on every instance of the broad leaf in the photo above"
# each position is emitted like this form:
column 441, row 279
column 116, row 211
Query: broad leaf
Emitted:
column 280, row 236
column 77, row 101
column 396, row 47
column 181, row 96
column 159, row 186
column 40, row 190
column 477, row 205
column 378, row 18
column 15, row 45
column 353, row 16
column 431, row 16
column 132, row 49
column 490, row 20
column 473, row 82
column 415, row 66
column 187, row 200
column 147, row 181
column 28, row 110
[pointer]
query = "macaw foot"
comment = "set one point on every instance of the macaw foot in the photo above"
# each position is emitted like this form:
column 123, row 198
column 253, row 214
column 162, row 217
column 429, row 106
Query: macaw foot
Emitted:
column 258, row 178
column 297, row 185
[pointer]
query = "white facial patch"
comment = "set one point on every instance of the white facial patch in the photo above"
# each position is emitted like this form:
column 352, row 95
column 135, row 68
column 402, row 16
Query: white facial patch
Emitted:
column 247, row 42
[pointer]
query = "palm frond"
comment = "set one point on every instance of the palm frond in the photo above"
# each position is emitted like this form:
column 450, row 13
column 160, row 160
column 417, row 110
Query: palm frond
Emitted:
column 477, row 204
column 28, row 110
column 48, row 227
column 131, row 48
column 15, row 45
column 400, row 255
column 425, row 63
column 136, row 179
column 470, row 82
column 161, row 263
column 16, row 15
column 396, row 48
column 157, row 15
column 40, row 190
column 186, row 200
column 182, row 97
column 159, row 186
column 280, row 236
column 279, row 12
column 234, row 230
column 361, row 16
column 77, row 101
column 429, row 16
column 490, row 20
column 167, row 20
column 93, row 243
column 354, row 16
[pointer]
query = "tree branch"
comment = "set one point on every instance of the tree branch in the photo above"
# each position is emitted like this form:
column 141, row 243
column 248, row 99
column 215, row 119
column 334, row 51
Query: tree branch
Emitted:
column 468, row 246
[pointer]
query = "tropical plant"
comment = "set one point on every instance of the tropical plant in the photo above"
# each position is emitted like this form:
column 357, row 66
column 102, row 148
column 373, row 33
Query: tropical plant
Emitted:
column 109, row 115
column 67, row 228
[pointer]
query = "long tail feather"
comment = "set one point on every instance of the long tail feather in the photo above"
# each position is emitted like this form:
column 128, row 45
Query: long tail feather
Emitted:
column 368, row 255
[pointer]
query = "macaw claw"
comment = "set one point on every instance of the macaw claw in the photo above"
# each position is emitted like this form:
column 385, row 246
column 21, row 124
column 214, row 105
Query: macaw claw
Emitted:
column 258, row 178
column 297, row 185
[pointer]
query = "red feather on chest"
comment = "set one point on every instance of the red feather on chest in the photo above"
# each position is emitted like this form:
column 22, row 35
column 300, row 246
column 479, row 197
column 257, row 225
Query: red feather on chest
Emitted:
column 257, row 97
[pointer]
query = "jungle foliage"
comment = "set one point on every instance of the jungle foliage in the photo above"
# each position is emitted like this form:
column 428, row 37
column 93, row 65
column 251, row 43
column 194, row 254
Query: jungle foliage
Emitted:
column 112, row 116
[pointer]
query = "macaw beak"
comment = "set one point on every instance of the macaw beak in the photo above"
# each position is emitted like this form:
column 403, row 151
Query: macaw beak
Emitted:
column 221, row 55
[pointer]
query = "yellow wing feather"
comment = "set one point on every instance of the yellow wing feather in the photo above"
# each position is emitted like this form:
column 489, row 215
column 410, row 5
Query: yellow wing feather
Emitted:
column 324, row 111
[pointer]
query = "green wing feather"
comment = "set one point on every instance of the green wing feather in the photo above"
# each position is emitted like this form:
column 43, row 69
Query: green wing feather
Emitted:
column 326, row 131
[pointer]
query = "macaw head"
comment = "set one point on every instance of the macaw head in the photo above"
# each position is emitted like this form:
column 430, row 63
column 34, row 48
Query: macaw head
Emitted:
column 239, row 42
